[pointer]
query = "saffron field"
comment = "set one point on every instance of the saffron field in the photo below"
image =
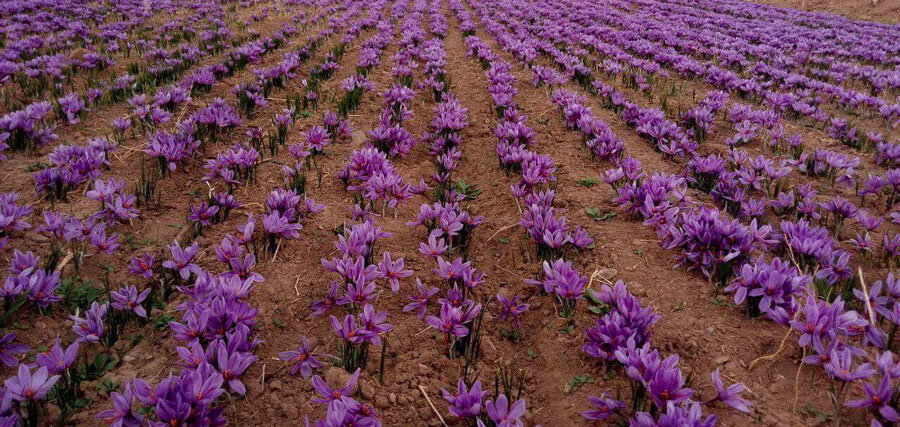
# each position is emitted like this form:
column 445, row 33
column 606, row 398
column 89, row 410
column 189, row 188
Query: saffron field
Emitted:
column 452, row 212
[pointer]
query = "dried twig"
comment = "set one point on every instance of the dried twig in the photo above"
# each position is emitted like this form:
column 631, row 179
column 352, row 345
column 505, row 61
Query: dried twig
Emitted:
column 500, row 230
column 797, row 380
column 595, row 275
column 183, row 110
column 262, row 379
column 422, row 389
column 65, row 261
column 510, row 271
column 277, row 248
column 869, row 310
column 781, row 347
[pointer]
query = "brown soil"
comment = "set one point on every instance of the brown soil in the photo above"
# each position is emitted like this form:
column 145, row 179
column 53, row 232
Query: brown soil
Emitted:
column 887, row 11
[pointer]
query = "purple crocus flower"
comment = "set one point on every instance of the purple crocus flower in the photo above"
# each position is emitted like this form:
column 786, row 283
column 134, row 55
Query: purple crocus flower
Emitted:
column 232, row 366
column 182, row 260
column 90, row 328
column 40, row 287
column 321, row 306
column 121, row 413
column 57, row 360
column 330, row 395
column 878, row 399
column 731, row 395
column 467, row 402
column 511, row 307
column 604, row 407
column 27, row 387
column 193, row 327
column 840, row 366
column 449, row 322
column 347, row 329
column 12, row 288
column 277, row 225
column 103, row 243
column 393, row 271
column 128, row 299
column 374, row 324
column 317, row 138
column 666, row 385
column 504, row 415
column 420, row 299
column 194, row 356
column 9, row 350
column 175, row 413
column 436, row 245
column 202, row 213
column 229, row 249
column 346, row 411
column 676, row 415
column 358, row 293
column 303, row 360
column 147, row 395
column 21, row 262
column 142, row 265
column 202, row 387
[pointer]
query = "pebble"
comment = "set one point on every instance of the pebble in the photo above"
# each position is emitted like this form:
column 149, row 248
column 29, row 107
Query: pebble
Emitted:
column 721, row 360
column 367, row 391
column 275, row 385
column 381, row 402
column 338, row 377
column 253, row 387
column 424, row 370
column 608, row 273
column 358, row 137
column 392, row 398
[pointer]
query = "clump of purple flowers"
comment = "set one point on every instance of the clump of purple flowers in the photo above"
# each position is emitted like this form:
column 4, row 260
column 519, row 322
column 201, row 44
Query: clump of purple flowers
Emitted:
column 561, row 278
column 625, row 320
